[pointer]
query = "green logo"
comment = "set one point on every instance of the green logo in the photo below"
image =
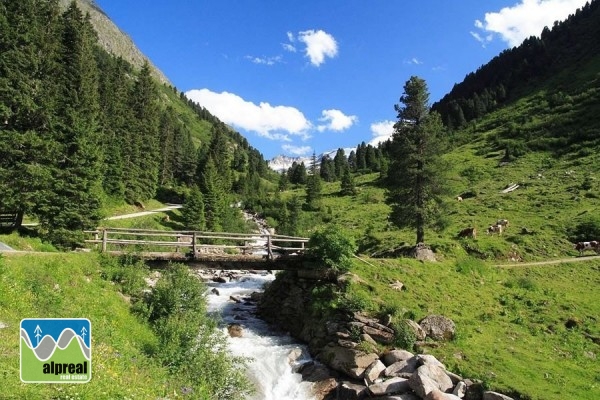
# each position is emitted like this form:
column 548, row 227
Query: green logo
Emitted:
column 56, row 350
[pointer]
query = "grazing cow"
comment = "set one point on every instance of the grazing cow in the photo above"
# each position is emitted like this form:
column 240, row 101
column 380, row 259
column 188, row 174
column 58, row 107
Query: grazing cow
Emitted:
column 592, row 245
column 459, row 198
column 494, row 229
column 468, row 232
column 503, row 222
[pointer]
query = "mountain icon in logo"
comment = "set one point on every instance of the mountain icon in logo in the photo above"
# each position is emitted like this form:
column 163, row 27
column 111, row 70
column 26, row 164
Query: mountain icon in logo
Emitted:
column 56, row 350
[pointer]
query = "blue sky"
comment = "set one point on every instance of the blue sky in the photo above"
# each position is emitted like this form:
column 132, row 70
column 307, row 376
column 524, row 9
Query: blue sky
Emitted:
column 295, row 77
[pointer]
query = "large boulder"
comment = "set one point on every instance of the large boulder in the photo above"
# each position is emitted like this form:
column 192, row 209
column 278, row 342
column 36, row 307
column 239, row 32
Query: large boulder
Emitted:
column 390, row 386
column 351, row 362
column 416, row 328
column 235, row 330
column 398, row 368
column 438, row 327
column 429, row 377
column 393, row 356
column 378, row 335
column 322, row 389
column 373, row 372
column 351, row 391
column 314, row 372
column 437, row 394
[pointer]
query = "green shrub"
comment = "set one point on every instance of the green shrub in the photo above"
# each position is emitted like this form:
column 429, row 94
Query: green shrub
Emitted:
column 126, row 271
column 470, row 266
column 405, row 337
column 588, row 229
column 357, row 300
column 189, row 343
column 332, row 248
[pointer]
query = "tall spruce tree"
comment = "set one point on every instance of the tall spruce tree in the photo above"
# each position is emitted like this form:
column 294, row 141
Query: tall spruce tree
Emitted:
column 348, row 186
column 142, row 160
column 114, row 89
column 215, row 200
column 340, row 162
column 73, row 203
column 314, row 186
column 192, row 212
column 415, row 179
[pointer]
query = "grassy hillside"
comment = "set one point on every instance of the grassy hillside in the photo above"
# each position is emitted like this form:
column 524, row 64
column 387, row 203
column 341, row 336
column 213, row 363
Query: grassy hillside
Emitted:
column 554, row 196
column 547, row 142
column 129, row 358
column 527, row 330
column 67, row 286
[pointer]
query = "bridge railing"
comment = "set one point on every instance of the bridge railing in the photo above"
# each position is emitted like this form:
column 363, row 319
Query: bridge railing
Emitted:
column 195, row 243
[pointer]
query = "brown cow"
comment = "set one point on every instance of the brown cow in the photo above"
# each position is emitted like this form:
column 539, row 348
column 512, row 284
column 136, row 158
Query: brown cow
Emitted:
column 468, row 232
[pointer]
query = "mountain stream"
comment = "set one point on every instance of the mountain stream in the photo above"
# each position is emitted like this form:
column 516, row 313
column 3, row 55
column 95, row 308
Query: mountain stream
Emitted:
column 269, row 368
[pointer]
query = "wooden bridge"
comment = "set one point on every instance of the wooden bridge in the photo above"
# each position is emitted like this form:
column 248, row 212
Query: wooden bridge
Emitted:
column 10, row 220
column 204, row 249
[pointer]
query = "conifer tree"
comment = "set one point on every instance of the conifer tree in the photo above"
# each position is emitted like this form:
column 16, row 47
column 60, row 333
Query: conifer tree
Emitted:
column 327, row 169
column 142, row 144
column 185, row 156
column 352, row 162
column 284, row 181
column 313, row 186
column 73, row 202
column 214, row 197
column 192, row 211
column 415, row 179
column 340, row 162
column 348, row 187
column 114, row 87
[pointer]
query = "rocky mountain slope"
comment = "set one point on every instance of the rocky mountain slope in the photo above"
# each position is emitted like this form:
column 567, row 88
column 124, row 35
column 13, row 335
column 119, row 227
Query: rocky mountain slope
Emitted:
column 113, row 39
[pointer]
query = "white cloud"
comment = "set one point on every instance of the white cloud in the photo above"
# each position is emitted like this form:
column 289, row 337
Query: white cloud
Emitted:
column 291, row 37
column 296, row 150
column 335, row 120
column 288, row 47
column 527, row 18
column 273, row 122
column 265, row 60
column 319, row 45
column 480, row 39
column 414, row 61
column 381, row 131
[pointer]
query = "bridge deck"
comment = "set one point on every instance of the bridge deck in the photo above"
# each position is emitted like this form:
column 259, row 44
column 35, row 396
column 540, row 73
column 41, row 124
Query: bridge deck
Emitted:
column 220, row 261
column 204, row 249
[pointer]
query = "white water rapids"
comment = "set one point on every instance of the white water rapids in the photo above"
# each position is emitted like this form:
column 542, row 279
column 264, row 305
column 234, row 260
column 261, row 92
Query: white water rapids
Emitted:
column 269, row 368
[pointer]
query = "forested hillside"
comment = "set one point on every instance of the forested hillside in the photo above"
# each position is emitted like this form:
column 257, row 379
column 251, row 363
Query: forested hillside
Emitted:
column 563, row 49
column 81, row 128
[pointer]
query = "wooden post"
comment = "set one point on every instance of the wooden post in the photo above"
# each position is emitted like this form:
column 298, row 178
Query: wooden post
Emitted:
column 269, row 250
column 104, row 239
column 194, row 245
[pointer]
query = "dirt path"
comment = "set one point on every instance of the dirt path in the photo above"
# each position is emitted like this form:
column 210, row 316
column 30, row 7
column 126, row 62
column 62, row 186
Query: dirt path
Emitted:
column 142, row 213
column 550, row 262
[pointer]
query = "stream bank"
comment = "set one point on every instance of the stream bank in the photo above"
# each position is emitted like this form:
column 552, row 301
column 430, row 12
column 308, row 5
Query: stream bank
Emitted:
column 357, row 354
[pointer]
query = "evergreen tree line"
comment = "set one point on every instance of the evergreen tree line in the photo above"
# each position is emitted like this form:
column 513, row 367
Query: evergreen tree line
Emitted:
column 568, row 43
column 79, row 126
column 365, row 159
